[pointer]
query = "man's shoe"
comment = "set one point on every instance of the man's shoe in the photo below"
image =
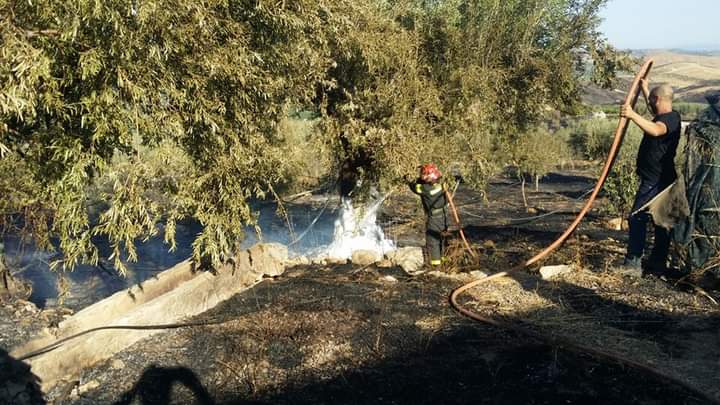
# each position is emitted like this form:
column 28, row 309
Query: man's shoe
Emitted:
column 632, row 261
column 632, row 267
column 663, row 272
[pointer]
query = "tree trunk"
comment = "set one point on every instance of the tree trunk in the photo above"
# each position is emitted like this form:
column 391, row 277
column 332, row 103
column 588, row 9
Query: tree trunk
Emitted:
column 10, row 287
column 4, row 284
column 522, row 187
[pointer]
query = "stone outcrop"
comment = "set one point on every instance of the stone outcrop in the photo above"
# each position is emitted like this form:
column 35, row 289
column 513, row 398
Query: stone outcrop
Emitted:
column 365, row 257
column 410, row 259
column 268, row 258
column 172, row 298
column 551, row 272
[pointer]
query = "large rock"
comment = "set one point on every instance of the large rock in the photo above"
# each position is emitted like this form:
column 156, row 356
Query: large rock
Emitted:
column 550, row 272
column 365, row 257
column 203, row 291
column 116, row 305
column 331, row 261
column 126, row 300
column 410, row 259
column 268, row 258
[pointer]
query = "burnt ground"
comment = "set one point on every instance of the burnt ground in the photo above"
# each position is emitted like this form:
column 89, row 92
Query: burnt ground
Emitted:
column 365, row 335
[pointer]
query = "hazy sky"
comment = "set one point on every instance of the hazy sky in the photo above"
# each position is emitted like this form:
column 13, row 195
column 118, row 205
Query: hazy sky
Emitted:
column 662, row 23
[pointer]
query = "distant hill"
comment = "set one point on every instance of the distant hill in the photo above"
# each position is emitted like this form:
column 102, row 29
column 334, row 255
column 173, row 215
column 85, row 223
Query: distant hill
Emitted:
column 690, row 73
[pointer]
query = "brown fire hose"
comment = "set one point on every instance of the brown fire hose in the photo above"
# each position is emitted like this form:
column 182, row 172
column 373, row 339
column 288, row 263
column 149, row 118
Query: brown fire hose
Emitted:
column 459, row 224
column 630, row 99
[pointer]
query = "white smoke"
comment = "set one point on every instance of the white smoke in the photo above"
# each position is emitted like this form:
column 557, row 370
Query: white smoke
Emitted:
column 358, row 230
column 326, row 233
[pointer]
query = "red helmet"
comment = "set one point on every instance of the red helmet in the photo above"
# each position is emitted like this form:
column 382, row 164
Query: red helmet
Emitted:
column 430, row 173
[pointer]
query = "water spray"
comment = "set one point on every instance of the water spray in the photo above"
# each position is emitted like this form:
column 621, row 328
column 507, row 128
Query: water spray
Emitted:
column 351, row 235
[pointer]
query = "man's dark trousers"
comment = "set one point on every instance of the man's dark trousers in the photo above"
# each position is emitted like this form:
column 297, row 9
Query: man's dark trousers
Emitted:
column 638, row 226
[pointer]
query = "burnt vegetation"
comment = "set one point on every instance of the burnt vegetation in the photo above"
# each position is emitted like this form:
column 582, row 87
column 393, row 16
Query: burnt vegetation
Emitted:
column 121, row 120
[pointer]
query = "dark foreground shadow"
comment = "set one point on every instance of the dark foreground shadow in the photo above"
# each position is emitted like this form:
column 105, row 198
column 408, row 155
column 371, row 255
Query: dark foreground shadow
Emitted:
column 18, row 385
column 156, row 384
column 468, row 363
column 459, row 370
column 390, row 357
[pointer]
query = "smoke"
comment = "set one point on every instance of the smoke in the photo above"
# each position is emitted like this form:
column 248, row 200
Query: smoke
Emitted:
column 358, row 230
column 335, row 230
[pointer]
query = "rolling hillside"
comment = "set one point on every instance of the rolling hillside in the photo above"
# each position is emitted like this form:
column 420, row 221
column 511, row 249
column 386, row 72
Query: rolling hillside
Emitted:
column 690, row 74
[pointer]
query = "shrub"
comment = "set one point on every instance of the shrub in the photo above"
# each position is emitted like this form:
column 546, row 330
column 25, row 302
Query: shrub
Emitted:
column 592, row 139
column 622, row 182
column 689, row 111
column 536, row 153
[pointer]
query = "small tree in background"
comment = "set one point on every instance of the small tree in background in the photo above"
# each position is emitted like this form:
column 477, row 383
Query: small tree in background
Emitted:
column 593, row 140
column 535, row 154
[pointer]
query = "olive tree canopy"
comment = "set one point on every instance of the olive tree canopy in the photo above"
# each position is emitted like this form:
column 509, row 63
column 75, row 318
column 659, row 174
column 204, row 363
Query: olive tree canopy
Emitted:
column 118, row 116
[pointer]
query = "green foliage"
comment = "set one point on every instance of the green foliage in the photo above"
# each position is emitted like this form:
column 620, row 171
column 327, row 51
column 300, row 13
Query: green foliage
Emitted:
column 82, row 81
column 689, row 111
column 538, row 152
column 613, row 109
column 308, row 162
column 622, row 183
column 139, row 191
column 116, row 116
column 480, row 72
column 378, row 105
column 592, row 139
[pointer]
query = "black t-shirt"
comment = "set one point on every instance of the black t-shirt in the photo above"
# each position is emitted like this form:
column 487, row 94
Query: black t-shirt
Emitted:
column 656, row 156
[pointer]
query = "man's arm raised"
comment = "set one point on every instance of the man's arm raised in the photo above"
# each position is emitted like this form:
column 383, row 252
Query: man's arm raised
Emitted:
column 649, row 127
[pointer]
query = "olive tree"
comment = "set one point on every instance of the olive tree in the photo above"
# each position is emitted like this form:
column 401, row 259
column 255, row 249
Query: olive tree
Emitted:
column 200, row 85
column 119, row 116
column 465, row 80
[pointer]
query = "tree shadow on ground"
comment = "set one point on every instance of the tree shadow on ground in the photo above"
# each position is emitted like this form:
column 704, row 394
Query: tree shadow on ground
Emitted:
column 669, row 332
column 155, row 387
column 18, row 385
column 460, row 369
column 384, row 343
column 463, row 362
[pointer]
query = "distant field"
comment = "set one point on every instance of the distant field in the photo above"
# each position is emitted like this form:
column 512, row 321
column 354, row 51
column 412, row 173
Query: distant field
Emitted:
column 690, row 74
column 688, row 110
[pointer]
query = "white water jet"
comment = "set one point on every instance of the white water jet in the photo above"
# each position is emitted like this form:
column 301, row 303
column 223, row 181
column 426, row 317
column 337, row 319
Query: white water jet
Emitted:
column 353, row 233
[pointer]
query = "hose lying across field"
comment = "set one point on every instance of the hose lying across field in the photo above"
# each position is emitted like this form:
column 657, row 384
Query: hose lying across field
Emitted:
column 630, row 99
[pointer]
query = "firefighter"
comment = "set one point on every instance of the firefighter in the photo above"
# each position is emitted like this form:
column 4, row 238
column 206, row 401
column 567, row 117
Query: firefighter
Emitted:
column 435, row 205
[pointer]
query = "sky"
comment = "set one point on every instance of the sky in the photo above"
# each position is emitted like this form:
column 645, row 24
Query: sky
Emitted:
column 655, row 24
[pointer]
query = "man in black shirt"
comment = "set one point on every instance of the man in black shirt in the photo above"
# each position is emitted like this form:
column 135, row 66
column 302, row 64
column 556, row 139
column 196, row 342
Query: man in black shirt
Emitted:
column 656, row 168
